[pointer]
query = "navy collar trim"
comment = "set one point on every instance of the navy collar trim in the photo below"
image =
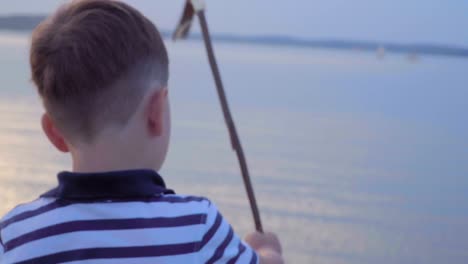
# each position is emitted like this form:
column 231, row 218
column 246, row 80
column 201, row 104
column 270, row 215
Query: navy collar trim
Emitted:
column 108, row 185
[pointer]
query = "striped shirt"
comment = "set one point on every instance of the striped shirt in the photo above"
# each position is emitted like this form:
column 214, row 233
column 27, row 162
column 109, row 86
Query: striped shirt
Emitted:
column 119, row 217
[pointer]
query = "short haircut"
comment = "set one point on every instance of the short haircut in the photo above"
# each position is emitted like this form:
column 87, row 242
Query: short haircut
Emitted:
column 92, row 62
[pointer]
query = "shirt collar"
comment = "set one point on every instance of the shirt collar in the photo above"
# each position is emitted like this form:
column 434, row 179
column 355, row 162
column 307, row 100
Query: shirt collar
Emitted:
column 109, row 185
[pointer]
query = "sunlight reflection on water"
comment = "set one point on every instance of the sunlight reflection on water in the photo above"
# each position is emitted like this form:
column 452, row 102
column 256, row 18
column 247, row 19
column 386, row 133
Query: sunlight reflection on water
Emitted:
column 29, row 164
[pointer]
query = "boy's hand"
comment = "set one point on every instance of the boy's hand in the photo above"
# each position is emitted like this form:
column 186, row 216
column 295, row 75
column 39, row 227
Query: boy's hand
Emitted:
column 267, row 245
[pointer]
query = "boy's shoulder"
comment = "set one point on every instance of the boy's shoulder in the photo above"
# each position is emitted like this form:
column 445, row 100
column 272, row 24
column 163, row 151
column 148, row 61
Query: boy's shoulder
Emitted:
column 22, row 210
column 45, row 204
column 45, row 211
column 201, row 232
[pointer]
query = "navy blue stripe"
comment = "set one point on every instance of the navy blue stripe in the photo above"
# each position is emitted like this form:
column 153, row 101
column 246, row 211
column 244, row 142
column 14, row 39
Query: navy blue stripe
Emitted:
column 236, row 257
column 115, row 252
column 207, row 237
column 102, row 225
column 254, row 259
column 220, row 250
column 62, row 203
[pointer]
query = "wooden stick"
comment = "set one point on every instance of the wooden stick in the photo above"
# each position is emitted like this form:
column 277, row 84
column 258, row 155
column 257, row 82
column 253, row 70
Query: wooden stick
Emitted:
column 236, row 144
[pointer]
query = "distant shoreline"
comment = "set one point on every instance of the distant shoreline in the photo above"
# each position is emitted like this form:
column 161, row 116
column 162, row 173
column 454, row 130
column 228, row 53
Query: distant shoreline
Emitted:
column 26, row 23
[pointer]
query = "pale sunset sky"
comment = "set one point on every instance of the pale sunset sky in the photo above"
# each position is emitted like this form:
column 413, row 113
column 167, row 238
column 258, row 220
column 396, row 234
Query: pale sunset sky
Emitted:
column 403, row 21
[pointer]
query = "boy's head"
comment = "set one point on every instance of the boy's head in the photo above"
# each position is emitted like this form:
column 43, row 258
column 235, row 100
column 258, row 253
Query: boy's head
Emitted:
column 101, row 69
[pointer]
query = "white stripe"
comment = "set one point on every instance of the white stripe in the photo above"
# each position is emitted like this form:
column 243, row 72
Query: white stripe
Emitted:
column 247, row 255
column 114, row 238
column 218, row 238
column 102, row 211
column 1, row 254
column 27, row 207
column 231, row 250
column 177, row 259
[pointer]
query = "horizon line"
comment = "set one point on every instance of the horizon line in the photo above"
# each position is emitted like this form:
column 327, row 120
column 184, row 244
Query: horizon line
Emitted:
column 26, row 23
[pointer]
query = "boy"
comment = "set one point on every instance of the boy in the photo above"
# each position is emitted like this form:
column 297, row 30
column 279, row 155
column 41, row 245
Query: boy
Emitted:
column 101, row 70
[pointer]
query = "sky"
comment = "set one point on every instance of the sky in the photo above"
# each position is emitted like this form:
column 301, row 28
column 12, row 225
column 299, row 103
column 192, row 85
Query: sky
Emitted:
column 402, row 21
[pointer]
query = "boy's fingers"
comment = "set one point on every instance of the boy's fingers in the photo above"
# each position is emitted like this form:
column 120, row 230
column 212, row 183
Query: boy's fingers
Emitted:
column 270, row 256
column 261, row 240
column 274, row 241
column 254, row 240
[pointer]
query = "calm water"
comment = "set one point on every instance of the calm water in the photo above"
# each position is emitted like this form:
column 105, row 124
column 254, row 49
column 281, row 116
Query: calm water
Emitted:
column 354, row 159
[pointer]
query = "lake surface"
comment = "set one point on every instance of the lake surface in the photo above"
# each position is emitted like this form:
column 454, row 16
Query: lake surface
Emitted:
column 354, row 159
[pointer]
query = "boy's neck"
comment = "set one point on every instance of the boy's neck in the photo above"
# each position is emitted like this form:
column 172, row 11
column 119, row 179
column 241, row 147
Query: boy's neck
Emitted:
column 104, row 162
column 111, row 156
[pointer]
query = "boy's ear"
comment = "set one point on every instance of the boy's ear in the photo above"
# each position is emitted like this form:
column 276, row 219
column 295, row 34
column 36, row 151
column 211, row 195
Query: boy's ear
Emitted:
column 53, row 134
column 155, row 112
